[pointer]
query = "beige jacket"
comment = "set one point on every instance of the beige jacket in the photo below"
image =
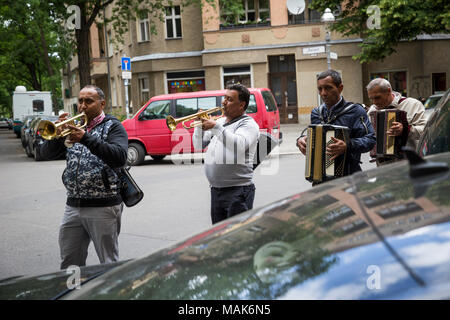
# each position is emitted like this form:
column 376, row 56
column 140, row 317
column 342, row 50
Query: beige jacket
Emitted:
column 415, row 114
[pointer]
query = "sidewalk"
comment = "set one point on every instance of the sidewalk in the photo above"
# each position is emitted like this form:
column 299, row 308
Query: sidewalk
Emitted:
column 290, row 134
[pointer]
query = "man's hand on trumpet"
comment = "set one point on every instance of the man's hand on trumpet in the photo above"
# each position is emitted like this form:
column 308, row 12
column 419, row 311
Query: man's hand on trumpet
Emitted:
column 76, row 134
column 207, row 122
column 62, row 117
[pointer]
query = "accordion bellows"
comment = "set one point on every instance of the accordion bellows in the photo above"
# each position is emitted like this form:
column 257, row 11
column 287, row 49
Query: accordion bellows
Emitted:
column 388, row 146
column 319, row 167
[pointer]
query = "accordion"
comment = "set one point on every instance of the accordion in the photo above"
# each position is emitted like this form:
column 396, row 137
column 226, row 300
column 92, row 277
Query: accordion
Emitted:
column 388, row 146
column 319, row 168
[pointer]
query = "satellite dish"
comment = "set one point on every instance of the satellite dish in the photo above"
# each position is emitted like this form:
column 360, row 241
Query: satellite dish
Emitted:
column 295, row 6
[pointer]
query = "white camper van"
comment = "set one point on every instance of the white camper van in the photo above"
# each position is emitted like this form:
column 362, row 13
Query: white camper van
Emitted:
column 29, row 103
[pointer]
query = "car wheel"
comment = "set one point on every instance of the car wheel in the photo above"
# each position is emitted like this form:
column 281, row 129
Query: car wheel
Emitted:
column 158, row 157
column 37, row 156
column 28, row 151
column 135, row 155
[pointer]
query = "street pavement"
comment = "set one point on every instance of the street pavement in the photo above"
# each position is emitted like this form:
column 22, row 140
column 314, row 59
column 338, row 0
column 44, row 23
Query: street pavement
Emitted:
column 175, row 205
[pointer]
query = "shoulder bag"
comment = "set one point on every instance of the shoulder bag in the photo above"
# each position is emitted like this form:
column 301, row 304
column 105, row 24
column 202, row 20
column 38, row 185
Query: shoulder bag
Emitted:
column 129, row 191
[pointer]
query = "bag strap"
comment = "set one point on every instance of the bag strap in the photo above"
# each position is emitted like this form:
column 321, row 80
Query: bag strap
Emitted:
column 344, row 111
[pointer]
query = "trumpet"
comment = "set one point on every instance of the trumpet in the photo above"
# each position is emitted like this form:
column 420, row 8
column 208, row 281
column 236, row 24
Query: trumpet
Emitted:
column 49, row 130
column 172, row 122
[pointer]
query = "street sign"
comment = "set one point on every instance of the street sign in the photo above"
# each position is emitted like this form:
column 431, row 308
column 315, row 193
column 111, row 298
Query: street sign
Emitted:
column 126, row 75
column 333, row 55
column 313, row 50
column 126, row 64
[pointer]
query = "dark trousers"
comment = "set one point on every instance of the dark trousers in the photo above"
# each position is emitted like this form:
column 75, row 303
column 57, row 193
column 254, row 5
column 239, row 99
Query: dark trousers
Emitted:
column 230, row 201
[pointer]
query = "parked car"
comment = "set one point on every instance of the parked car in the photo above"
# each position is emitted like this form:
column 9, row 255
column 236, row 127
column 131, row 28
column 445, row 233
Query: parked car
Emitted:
column 431, row 102
column 34, row 139
column 26, row 128
column 435, row 137
column 148, row 133
column 4, row 123
column 378, row 234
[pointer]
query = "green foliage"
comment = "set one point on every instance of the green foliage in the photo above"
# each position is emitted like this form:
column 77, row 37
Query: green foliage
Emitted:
column 32, row 51
column 399, row 20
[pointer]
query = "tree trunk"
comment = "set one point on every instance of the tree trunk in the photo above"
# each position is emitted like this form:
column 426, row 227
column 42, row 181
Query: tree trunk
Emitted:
column 45, row 52
column 84, row 57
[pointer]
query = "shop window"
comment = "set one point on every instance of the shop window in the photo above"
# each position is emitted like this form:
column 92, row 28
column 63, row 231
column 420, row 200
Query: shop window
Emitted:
column 186, row 81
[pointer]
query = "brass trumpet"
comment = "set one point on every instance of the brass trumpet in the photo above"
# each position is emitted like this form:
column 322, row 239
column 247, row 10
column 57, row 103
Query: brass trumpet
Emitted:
column 172, row 122
column 49, row 130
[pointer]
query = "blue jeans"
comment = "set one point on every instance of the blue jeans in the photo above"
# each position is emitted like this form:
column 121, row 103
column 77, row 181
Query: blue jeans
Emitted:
column 230, row 201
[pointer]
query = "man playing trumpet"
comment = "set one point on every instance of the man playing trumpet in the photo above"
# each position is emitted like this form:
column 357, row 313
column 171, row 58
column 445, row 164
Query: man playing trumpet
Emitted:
column 232, row 142
column 94, row 205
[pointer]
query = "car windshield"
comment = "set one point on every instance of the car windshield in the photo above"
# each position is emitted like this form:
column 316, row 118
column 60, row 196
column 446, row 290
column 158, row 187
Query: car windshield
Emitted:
column 432, row 101
column 435, row 138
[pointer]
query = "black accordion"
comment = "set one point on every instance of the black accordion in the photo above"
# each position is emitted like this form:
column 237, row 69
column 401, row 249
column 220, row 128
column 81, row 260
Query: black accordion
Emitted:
column 319, row 168
column 388, row 146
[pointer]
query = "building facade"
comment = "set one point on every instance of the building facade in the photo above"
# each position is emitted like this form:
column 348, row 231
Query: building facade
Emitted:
column 206, row 49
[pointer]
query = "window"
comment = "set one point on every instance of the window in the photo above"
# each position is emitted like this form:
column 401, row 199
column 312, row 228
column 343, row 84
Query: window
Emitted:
column 439, row 82
column 144, row 89
column 185, row 81
column 101, row 42
column 188, row 106
column 38, row 105
column 250, row 12
column 309, row 15
column 143, row 28
column 110, row 45
column 173, row 22
column 239, row 74
column 397, row 79
column 113, row 93
column 268, row 101
column 252, row 108
column 156, row 110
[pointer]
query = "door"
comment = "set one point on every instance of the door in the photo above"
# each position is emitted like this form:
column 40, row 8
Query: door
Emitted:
column 282, row 82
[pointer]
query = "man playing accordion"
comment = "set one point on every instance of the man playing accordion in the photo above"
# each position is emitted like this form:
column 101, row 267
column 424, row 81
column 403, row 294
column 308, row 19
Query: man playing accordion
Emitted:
column 408, row 130
column 336, row 111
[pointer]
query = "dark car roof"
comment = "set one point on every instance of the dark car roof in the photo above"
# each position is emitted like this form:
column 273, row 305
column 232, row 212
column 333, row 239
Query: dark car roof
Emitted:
column 321, row 244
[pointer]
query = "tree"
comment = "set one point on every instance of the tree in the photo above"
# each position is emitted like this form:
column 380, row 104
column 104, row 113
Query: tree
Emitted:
column 382, row 24
column 31, row 51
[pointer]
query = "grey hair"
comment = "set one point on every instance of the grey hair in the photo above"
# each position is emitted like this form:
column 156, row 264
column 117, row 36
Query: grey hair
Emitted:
column 100, row 92
column 379, row 82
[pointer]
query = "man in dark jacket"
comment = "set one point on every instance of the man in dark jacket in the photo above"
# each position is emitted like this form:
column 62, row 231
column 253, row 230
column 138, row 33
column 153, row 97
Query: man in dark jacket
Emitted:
column 337, row 111
column 94, row 205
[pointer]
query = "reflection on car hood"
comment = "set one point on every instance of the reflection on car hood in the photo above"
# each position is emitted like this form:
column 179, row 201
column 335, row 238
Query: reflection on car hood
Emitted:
column 47, row 286
column 321, row 244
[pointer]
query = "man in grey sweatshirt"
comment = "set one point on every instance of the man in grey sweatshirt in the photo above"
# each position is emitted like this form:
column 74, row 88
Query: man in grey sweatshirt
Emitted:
column 231, row 142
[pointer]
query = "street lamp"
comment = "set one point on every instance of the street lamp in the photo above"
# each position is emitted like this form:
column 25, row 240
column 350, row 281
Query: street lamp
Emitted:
column 327, row 18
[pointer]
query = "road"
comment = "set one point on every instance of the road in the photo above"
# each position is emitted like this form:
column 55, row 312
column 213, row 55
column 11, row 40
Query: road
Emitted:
column 175, row 205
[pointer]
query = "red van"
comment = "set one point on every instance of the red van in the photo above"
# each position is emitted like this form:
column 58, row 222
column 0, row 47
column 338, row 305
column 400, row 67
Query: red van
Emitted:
column 148, row 133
